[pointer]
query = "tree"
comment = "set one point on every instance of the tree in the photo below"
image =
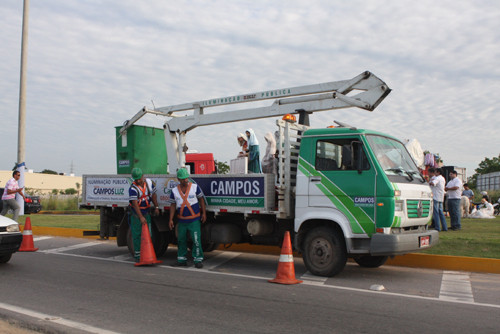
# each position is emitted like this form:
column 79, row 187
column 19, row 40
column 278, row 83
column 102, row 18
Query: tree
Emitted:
column 222, row 167
column 486, row 166
column 489, row 166
column 48, row 171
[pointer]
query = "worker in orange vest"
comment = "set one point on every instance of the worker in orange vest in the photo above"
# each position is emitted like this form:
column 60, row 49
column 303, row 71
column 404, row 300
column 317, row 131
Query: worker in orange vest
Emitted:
column 187, row 201
column 142, row 193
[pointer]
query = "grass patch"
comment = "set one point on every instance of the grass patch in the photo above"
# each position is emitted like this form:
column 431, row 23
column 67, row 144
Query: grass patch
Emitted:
column 85, row 222
column 477, row 238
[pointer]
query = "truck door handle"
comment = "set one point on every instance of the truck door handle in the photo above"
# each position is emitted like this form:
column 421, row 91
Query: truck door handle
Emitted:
column 315, row 178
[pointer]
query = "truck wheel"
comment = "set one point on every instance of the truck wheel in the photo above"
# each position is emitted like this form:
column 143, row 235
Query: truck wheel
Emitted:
column 324, row 252
column 160, row 240
column 209, row 246
column 206, row 244
column 369, row 261
column 5, row 258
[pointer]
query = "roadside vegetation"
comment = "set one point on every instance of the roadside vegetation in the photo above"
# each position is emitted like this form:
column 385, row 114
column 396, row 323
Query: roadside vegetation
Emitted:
column 477, row 238
column 85, row 222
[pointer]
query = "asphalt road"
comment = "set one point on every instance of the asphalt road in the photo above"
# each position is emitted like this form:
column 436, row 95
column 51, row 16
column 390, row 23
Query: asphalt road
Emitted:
column 81, row 286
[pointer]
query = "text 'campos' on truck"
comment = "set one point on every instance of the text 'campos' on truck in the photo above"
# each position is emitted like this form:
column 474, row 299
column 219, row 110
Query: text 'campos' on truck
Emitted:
column 341, row 191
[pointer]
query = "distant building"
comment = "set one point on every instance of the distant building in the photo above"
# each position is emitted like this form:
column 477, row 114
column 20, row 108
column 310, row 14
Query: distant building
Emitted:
column 490, row 181
column 44, row 183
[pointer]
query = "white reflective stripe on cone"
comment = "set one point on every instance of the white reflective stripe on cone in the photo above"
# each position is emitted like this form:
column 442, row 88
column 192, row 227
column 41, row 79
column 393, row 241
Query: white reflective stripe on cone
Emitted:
column 286, row 258
column 30, row 232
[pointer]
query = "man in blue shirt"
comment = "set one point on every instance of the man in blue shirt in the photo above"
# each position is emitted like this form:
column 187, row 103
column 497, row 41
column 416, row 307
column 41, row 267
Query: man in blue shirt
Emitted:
column 141, row 193
column 186, row 200
column 470, row 195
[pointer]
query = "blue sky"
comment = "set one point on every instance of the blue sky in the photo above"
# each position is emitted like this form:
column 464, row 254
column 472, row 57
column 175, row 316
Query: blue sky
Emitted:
column 93, row 64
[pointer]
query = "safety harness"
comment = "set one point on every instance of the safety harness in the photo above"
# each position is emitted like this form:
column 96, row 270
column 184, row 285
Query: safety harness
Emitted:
column 185, row 203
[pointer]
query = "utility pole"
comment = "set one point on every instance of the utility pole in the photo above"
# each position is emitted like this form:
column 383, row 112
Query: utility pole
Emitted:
column 22, row 103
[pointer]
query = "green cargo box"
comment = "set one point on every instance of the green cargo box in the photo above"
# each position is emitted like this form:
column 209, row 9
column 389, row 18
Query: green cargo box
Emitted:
column 143, row 147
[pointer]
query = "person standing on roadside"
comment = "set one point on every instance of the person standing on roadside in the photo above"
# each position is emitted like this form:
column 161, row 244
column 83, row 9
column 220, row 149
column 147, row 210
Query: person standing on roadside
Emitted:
column 437, row 183
column 141, row 193
column 188, row 202
column 454, row 190
column 9, row 196
column 470, row 195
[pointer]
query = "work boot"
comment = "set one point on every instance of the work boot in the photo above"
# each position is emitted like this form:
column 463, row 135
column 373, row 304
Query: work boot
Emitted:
column 198, row 265
column 179, row 264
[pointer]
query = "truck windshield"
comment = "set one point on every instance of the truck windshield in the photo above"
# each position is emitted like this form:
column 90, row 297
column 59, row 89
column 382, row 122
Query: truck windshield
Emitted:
column 394, row 159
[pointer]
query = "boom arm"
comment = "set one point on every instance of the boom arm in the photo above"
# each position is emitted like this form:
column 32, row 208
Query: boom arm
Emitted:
column 311, row 98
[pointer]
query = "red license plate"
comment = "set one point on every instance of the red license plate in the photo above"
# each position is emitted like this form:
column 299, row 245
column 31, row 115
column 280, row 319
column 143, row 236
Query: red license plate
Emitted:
column 425, row 241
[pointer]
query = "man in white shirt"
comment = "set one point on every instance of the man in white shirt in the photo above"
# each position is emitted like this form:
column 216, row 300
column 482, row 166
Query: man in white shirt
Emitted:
column 454, row 189
column 437, row 186
column 9, row 195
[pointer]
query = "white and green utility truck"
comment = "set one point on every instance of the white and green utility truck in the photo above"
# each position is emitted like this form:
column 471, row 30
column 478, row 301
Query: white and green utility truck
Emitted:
column 341, row 191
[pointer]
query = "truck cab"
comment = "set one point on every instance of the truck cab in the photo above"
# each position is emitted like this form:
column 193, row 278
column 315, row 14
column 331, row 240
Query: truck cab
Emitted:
column 364, row 186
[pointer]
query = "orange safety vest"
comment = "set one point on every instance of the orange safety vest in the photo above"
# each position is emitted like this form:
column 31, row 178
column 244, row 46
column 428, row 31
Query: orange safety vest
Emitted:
column 185, row 203
column 143, row 199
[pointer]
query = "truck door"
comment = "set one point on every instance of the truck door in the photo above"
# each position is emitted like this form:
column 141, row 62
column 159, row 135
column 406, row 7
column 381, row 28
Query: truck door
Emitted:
column 344, row 180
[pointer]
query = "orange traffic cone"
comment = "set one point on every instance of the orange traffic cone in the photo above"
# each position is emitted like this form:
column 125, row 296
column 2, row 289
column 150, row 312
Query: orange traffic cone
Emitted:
column 286, row 268
column 27, row 244
column 148, row 255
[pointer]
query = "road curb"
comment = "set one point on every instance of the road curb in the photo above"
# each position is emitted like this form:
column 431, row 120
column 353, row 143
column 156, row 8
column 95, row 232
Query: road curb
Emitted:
column 413, row 260
column 447, row 262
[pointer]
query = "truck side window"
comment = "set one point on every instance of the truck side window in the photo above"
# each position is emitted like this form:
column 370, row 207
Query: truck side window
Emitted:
column 339, row 154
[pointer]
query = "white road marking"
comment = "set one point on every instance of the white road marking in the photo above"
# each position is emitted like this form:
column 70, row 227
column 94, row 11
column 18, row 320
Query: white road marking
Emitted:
column 67, row 248
column 41, row 238
column 456, row 286
column 311, row 279
column 219, row 259
column 54, row 319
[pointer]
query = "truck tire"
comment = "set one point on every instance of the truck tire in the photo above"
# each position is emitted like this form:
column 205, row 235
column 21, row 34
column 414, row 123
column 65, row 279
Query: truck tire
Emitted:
column 206, row 244
column 209, row 246
column 369, row 261
column 160, row 241
column 324, row 252
column 5, row 258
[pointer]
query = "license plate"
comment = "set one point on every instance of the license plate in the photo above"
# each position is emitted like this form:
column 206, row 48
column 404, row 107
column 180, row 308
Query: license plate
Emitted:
column 425, row 241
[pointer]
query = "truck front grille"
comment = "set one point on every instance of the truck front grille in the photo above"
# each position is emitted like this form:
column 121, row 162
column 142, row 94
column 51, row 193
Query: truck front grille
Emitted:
column 418, row 208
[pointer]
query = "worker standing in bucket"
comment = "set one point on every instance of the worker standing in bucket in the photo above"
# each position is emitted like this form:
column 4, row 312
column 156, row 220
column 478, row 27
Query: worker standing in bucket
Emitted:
column 141, row 193
column 186, row 200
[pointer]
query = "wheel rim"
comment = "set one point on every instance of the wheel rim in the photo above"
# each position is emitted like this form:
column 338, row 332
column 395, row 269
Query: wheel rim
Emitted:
column 320, row 252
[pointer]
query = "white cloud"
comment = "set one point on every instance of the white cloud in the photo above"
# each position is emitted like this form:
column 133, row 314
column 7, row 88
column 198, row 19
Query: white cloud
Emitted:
column 94, row 64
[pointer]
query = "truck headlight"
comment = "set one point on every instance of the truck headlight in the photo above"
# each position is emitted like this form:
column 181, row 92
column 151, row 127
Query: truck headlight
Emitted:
column 398, row 206
column 13, row 228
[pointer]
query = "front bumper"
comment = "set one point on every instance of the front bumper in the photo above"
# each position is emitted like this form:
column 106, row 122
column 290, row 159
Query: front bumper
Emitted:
column 402, row 243
column 10, row 243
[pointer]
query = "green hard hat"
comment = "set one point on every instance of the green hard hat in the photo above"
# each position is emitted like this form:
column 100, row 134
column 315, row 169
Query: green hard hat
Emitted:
column 182, row 173
column 136, row 173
